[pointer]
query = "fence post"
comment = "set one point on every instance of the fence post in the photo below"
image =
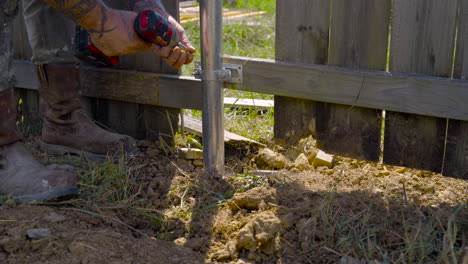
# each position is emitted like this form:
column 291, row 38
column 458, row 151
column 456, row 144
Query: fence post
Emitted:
column 212, row 92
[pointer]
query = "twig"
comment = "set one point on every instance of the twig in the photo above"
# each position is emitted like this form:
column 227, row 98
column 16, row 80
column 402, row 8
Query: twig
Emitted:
column 110, row 218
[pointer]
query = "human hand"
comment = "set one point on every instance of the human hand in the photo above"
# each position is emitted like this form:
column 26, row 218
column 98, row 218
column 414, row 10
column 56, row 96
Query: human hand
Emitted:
column 175, row 57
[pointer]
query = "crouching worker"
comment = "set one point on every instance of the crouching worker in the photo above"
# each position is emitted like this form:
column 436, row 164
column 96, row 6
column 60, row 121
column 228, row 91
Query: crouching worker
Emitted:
column 66, row 127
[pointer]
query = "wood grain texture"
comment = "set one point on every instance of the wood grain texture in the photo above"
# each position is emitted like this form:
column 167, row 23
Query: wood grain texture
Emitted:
column 294, row 118
column 423, row 33
column 461, row 58
column 425, row 95
column 129, row 86
column 194, row 126
column 432, row 96
column 301, row 36
column 456, row 158
column 358, row 39
column 456, row 154
column 414, row 141
column 302, row 30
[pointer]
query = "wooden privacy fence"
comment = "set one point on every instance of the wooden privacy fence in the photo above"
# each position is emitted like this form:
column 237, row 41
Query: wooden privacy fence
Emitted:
column 339, row 64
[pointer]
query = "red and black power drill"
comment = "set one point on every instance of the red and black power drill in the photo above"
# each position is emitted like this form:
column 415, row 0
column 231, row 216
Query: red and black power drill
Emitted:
column 149, row 25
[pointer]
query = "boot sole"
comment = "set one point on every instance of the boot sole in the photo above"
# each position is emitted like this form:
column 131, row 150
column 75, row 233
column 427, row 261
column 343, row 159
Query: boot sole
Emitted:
column 54, row 195
column 59, row 150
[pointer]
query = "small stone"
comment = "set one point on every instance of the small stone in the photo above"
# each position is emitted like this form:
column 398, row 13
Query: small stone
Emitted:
column 302, row 163
column 55, row 218
column 252, row 198
column 76, row 249
column 94, row 221
column 197, row 163
column 323, row 159
column 9, row 203
column 268, row 159
column 180, row 241
column 191, row 153
column 36, row 234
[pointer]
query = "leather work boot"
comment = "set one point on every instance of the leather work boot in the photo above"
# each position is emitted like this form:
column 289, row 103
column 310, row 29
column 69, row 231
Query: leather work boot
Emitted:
column 67, row 128
column 20, row 175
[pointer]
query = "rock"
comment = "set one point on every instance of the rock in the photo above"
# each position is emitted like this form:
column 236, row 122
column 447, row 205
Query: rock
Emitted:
column 323, row 159
column 261, row 234
column 9, row 203
column 64, row 167
column 180, row 241
column 311, row 154
column 76, row 249
column 302, row 163
column 221, row 255
column 191, row 153
column 268, row 159
column 55, row 218
column 197, row 163
column 252, row 198
column 36, row 234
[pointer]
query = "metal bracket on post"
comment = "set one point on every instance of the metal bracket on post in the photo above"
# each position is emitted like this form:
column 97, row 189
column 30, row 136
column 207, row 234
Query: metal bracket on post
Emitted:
column 231, row 73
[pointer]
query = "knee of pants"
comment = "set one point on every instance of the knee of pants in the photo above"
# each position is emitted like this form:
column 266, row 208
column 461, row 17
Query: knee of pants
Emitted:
column 50, row 33
column 8, row 8
column 6, row 47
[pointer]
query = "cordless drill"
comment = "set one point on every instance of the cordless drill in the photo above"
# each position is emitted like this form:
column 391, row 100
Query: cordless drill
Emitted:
column 149, row 26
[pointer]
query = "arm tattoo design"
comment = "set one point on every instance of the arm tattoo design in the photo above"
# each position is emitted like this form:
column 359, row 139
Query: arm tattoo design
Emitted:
column 72, row 8
column 141, row 5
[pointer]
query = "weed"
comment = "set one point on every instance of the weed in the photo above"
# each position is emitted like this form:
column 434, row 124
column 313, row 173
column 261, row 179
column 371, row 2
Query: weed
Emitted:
column 112, row 182
column 249, row 181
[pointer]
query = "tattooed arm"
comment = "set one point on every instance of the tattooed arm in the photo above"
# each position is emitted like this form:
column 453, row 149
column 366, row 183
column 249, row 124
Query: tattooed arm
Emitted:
column 177, row 57
column 111, row 30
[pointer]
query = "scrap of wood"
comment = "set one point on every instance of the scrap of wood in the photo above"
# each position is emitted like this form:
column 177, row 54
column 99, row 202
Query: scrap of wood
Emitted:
column 189, row 13
column 194, row 126
column 249, row 103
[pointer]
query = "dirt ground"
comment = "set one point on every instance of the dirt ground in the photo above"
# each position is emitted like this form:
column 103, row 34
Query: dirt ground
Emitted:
column 159, row 208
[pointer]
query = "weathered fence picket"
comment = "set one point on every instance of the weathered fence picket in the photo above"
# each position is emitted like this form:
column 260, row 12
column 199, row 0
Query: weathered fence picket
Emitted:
column 423, row 33
column 358, row 39
column 456, row 153
column 301, row 36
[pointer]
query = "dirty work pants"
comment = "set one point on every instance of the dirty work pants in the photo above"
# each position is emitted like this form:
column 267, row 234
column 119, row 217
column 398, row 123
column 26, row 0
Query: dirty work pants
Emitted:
column 50, row 33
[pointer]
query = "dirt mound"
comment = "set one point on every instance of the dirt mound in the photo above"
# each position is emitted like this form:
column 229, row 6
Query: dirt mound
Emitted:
column 355, row 211
column 77, row 238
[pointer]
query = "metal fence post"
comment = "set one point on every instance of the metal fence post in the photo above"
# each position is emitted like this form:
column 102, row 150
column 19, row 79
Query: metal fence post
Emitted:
column 212, row 86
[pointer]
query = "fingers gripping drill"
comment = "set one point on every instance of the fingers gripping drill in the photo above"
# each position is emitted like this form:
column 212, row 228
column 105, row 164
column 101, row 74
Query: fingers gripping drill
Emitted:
column 148, row 24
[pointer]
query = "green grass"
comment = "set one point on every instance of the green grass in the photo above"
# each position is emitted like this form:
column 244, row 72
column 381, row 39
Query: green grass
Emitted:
column 268, row 5
column 250, row 37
